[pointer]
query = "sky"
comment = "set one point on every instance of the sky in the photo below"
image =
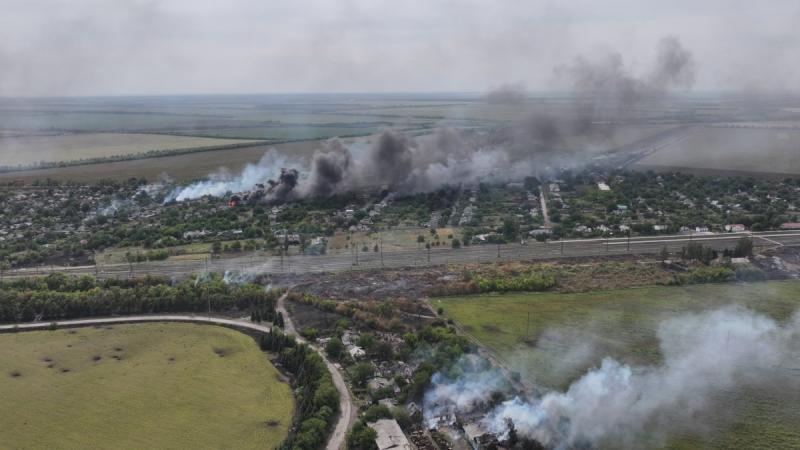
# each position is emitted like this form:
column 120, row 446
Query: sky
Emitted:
column 151, row 47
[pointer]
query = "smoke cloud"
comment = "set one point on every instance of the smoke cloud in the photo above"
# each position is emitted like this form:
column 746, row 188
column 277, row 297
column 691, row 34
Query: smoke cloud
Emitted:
column 608, row 83
column 280, row 172
column 534, row 145
column 329, row 167
column 703, row 354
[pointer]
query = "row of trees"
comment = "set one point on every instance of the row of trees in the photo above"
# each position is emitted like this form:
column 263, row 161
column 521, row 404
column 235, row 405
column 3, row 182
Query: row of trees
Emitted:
column 59, row 297
column 317, row 397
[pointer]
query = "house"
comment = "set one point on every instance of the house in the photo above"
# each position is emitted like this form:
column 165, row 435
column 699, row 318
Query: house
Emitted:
column 660, row 228
column 356, row 352
column 735, row 228
column 790, row 226
column 378, row 383
column 542, row 231
column 478, row 435
column 603, row 187
column 389, row 436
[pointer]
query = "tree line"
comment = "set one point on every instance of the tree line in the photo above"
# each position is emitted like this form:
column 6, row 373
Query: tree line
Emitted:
column 316, row 396
column 58, row 296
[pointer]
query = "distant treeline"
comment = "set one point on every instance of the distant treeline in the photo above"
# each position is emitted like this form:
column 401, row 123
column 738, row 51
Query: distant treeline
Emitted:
column 127, row 157
column 59, row 296
column 317, row 397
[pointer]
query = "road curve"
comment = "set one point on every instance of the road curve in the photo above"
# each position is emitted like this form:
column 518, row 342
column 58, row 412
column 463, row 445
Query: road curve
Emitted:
column 347, row 410
column 337, row 438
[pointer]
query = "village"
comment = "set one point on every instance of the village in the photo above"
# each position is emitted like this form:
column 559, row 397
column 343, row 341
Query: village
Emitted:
column 70, row 224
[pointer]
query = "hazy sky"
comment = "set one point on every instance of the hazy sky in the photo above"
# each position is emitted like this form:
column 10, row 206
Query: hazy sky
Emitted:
column 118, row 47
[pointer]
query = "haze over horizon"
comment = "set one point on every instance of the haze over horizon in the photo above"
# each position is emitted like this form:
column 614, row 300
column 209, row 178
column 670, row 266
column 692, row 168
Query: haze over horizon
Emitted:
column 175, row 47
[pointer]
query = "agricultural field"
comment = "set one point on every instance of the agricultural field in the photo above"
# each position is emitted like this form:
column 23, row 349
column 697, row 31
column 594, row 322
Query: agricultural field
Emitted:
column 25, row 151
column 140, row 386
column 553, row 338
column 731, row 151
column 179, row 167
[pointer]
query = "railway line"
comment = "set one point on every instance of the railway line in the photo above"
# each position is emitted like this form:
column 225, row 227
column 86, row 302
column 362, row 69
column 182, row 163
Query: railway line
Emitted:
column 569, row 248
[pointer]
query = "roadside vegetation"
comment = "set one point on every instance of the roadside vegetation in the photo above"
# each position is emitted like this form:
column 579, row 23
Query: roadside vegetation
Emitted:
column 317, row 397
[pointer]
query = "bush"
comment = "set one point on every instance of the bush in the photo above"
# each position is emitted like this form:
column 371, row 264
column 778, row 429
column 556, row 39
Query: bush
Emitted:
column 530, row 282
column 707, row 275
column 335, row 348
column 750, row 273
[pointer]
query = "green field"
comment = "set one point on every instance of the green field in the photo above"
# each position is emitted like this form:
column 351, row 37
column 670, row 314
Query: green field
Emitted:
column 568, row 333
column 140, row 386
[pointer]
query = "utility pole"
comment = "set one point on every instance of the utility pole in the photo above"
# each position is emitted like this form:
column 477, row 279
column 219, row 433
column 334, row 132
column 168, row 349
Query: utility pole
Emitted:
column 562, row 246
column 498, row 250
column 380, row 246
column 629, row 241
column 607, row 239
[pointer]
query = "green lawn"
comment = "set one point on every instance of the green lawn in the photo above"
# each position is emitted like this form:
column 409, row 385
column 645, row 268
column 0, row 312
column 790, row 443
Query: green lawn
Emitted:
column 568, row 333
column 140, row 386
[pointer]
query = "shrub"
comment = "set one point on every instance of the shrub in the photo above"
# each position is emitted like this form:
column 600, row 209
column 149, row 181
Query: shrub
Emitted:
column 750, row 273
column 707, row 275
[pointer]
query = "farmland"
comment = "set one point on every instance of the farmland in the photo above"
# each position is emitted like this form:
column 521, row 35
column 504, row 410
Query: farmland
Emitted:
column 140, row 386
column 552, row 348
column 70, row 147
column 179, row 167
column 731, row 151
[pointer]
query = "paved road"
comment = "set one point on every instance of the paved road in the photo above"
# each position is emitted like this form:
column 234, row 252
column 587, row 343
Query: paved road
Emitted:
column 347, row 410
column 137, row 319
column 251, row 264
column 336, row 440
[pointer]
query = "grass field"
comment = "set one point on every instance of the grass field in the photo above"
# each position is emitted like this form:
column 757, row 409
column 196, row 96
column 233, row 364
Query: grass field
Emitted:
column 71, row 147
column 569, row 333
column 733, row 150
column 140, row 386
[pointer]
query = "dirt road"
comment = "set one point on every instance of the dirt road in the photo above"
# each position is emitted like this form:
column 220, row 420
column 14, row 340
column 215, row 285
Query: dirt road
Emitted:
column 347, row 409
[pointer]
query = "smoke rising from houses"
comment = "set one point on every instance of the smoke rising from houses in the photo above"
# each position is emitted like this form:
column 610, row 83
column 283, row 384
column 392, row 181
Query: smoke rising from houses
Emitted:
column 703, row 354
column 533, row 145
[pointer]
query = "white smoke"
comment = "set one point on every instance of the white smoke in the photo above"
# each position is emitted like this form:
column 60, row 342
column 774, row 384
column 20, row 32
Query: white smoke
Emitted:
column 222, row 182
column 471, row 390
column 703, row 354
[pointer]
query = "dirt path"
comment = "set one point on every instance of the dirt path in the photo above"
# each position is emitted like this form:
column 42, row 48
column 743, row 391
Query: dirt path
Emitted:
column 347, row 409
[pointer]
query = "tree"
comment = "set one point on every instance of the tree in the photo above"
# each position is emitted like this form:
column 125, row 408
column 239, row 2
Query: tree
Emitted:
column 216, row 247
column 510, row 228
column 455, row 243
column 744, row 248
column 362, row 372
column 664, row 255
column 4, row 266
column 361, row 437
column 335, row 348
